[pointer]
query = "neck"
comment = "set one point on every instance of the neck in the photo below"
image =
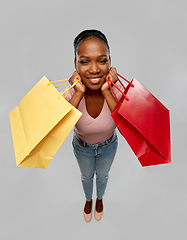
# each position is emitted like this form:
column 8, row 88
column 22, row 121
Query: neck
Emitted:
column 93, row 93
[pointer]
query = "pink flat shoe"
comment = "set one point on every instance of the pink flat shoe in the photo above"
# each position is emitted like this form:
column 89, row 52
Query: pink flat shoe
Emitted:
column 88, row 217
column 98, row 215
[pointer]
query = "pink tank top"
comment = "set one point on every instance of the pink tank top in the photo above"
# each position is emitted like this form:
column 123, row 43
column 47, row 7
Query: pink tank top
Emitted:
column 99, row 129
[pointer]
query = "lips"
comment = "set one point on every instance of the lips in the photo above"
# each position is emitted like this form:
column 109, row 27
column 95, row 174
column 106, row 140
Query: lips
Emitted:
column 95, row 80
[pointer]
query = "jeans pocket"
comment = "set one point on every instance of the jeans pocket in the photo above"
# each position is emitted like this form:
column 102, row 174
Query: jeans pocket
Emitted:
column 113, row 139
column 77, row 142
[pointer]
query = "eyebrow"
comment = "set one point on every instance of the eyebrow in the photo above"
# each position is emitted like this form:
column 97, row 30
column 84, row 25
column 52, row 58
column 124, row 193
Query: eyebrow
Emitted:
column 104, row 55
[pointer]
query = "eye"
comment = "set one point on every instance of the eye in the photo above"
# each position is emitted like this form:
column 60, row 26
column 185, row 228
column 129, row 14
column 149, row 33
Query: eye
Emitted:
column 103, row 61
column 83, row 62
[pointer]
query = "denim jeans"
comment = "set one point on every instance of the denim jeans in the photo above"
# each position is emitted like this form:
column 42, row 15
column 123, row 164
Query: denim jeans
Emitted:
column 96, row 159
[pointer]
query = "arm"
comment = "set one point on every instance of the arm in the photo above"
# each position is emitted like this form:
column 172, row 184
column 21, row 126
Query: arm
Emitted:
column 111, row 100
column 76, row 98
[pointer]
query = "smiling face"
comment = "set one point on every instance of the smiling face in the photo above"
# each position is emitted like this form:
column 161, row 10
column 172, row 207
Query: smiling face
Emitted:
column 92, row 62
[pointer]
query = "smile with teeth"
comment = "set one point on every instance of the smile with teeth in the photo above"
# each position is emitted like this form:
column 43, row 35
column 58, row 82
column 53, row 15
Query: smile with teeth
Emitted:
column 95, row 80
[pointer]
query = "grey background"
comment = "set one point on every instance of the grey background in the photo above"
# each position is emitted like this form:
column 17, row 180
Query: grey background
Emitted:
column 148, row 42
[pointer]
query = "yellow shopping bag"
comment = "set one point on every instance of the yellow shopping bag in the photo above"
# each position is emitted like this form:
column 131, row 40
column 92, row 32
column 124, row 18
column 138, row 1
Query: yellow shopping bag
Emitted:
column 40, row 123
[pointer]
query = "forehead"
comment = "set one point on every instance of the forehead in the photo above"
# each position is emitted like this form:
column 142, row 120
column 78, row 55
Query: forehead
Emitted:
column 92, row 47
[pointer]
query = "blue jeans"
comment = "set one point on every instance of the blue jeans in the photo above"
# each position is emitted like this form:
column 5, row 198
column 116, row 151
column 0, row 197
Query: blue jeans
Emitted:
column 95, row 158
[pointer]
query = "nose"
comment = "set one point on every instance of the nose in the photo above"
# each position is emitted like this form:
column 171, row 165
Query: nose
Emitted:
column 94, row 68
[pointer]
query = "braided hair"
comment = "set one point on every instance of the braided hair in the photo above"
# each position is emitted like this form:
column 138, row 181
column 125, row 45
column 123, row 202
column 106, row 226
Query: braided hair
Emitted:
column 86, row 34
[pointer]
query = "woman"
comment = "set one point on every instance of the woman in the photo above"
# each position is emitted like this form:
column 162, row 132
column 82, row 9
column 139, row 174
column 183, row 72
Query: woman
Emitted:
column 95, row 140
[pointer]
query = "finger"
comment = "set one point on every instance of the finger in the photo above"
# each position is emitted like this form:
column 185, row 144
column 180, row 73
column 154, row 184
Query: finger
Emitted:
column 77, row 76
column 113, row 75
column 113, row 71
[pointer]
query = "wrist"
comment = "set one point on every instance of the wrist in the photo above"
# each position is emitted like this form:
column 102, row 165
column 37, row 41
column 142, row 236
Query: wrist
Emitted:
column 79, row 94
column 106, row 92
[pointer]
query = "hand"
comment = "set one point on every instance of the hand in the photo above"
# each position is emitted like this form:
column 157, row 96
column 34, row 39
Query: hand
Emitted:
column 79, row 87
column 113, row 77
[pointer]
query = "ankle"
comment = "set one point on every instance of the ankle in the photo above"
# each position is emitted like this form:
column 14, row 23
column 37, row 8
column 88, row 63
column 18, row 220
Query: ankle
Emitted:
column 99, row 205
column 88, row 207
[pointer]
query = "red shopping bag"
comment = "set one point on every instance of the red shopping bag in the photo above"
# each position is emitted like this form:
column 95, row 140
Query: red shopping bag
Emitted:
column 145, row 124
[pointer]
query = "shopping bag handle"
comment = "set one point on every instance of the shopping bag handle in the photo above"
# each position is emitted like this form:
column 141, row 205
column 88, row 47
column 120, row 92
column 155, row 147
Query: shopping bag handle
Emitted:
column 67, row 90
column 110, row 82
column 50, row 82
column 125, row 80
